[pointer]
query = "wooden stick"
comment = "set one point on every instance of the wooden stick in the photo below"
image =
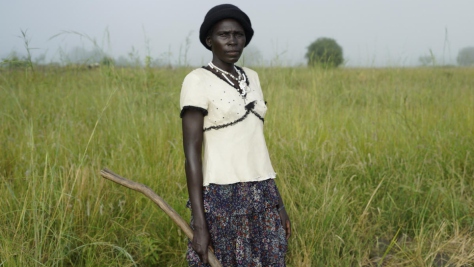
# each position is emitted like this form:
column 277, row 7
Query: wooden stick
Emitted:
column 108, row 174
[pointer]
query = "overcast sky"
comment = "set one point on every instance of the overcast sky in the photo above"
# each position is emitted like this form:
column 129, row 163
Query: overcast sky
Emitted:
column 371, row 32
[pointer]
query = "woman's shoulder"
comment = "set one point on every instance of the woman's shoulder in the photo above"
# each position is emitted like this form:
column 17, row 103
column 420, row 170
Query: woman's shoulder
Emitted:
column 197, row 78
column 250, row 72
column 196, row 74
column 252, row 76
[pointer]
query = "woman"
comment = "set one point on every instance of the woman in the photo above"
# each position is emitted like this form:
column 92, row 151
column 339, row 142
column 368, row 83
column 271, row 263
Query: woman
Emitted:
column 235, row 205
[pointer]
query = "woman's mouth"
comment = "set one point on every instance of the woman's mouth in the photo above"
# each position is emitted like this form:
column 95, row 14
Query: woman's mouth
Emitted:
column 233, row 53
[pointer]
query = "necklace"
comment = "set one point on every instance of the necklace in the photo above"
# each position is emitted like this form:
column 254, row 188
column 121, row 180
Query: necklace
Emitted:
column 241, row 79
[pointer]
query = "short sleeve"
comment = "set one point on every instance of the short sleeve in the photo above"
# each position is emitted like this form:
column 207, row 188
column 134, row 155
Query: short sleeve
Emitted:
column 193, row 95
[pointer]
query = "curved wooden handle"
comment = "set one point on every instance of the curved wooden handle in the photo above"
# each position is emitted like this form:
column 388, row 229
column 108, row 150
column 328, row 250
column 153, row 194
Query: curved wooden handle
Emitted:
column 108, row 174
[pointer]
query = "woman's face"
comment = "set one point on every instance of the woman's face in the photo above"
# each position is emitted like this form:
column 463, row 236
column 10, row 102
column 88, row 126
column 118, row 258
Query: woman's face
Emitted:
column 227, row 41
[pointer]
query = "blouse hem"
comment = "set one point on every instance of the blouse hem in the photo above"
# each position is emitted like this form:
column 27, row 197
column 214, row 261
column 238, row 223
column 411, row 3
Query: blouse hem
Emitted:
column 258, row 179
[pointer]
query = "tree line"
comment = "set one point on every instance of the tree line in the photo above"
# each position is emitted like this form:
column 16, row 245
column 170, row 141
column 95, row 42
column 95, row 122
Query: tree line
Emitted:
column 323, row 52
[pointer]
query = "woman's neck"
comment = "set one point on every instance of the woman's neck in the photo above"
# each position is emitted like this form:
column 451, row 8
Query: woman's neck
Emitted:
column 228, row 67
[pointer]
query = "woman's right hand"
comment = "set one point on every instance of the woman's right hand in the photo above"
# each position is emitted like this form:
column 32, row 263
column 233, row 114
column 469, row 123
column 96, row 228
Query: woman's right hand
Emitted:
column 201, row 241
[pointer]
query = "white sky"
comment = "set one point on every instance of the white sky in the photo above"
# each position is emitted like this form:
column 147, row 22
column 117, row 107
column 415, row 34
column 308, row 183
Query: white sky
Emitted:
column 371, row 32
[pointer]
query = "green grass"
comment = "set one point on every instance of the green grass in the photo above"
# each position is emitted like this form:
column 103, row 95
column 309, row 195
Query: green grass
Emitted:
column 373, row 165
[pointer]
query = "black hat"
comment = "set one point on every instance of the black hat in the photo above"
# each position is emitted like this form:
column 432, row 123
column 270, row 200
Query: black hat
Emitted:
column 225, row 11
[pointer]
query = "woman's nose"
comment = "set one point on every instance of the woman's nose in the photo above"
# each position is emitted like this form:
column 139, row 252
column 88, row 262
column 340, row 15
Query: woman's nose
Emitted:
column 233, row 39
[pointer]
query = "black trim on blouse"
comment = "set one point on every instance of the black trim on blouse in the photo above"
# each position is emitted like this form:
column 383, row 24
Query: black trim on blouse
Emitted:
column 249, row 107
column 258, row 116
column 186, row 108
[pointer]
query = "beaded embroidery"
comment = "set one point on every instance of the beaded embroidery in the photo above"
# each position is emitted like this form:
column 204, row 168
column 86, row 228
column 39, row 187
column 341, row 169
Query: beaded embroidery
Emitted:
column 246, row 80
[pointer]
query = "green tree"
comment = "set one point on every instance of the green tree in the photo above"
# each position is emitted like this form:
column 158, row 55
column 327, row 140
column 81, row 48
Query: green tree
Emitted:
column 428, row 60
column 324, row 52
column 107, row 61
column 466, row 56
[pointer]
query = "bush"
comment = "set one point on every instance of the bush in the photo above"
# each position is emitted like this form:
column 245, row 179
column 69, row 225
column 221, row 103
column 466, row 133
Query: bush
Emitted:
column 13, row 61
column 324, row 52
column 466, row 56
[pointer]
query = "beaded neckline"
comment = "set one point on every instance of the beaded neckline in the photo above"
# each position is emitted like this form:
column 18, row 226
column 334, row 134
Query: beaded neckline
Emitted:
column 242, row 80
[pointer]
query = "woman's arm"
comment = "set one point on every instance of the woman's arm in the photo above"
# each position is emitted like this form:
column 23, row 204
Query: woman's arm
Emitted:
column 192, row 125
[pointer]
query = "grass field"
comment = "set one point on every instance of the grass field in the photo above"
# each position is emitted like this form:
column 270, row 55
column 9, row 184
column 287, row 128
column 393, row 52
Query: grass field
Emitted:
column 374, row 165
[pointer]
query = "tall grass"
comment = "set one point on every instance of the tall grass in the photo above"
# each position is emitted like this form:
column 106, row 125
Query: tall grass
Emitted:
column 375, row 165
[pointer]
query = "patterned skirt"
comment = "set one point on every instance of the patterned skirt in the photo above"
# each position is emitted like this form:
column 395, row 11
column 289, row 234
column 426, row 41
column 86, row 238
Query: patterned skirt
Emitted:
column 244, row 225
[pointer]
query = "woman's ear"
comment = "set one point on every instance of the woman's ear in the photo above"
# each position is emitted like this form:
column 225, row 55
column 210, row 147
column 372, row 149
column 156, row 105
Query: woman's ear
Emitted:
column 209, row 41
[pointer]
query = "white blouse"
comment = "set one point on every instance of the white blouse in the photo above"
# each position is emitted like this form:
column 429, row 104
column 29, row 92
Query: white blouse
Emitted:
column 234, row 145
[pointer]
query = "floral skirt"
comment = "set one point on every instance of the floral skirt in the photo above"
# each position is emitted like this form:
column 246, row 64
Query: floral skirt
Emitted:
column 244, row 225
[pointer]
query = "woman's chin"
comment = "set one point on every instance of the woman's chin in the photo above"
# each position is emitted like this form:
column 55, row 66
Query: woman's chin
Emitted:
column 233, row 60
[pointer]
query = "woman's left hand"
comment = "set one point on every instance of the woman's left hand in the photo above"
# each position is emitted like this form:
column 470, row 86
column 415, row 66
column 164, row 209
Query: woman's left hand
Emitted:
column 285, row 221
